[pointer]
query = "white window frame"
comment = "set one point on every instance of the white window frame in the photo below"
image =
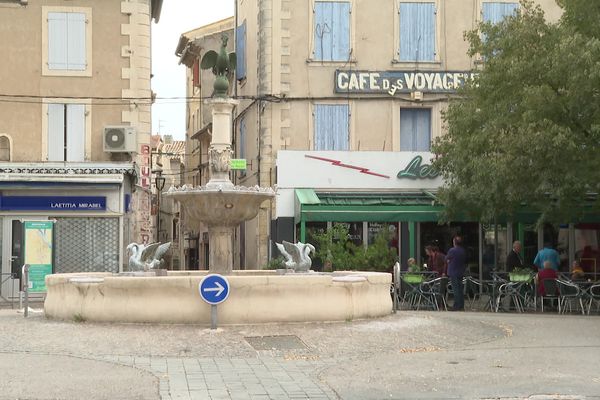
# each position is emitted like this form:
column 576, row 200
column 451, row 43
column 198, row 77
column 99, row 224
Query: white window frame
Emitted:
column 351, row 121
column 87, row 156
column 480, row 6
column 88, row 41
column 438, row 37
column 479, row 18
column 311, row 34
column 436, row 120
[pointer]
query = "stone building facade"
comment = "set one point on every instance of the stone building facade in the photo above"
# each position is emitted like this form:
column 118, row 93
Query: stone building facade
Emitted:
column 75, row 127
column 349, row 83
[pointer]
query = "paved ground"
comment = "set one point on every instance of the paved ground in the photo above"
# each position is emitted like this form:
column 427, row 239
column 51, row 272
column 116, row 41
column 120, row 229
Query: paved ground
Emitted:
column 408, row 355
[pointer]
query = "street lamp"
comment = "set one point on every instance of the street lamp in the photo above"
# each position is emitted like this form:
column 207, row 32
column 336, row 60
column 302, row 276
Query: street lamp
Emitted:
column 159, row 182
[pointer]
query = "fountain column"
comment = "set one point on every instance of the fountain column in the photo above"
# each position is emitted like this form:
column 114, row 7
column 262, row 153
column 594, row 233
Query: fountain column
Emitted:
column 221, row 235
column 220, row 152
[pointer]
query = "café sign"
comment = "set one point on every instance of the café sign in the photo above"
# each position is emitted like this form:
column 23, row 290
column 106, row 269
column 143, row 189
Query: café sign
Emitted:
column 416, row 170
column 394, row 82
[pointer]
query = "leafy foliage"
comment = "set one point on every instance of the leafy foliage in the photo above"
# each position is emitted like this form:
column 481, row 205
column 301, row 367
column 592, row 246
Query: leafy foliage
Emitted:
column 526, row 131
column 275, row 263
column 334, row 245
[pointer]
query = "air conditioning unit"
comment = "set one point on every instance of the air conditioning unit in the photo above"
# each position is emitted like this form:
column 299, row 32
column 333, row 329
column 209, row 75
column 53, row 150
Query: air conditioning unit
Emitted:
column 119, row 139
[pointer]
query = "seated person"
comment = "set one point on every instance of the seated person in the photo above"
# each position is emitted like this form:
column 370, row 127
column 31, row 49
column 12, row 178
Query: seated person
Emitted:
column 412, row 265
column 547, row 273
column 577, row 273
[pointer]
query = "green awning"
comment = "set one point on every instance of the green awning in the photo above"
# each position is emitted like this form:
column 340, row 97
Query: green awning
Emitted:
column 372, row 207
column 307, row 196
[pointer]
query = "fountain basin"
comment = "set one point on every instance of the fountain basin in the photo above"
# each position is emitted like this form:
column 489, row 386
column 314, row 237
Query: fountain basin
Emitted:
column 223, row 205
column 255, row 297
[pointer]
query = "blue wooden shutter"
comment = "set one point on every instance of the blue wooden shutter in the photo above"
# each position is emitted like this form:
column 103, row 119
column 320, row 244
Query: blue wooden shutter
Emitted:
column 66, row 41
column 417, row 31
column 56, row 132
column 331, row 126
column 75, row 132
column 332, row 31
column 240, row 51
column 495, row 12
column 415, row 129
column 76, row 53
column 57, row 40
column 242, row 143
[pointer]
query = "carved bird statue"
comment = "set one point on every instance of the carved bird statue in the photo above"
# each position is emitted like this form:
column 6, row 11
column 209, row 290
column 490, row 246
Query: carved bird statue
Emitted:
column 222, row 65
column 297, row 255
column 144, row 258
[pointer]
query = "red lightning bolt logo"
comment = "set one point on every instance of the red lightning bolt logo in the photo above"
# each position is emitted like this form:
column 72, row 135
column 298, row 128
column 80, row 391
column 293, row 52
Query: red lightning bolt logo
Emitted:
column 338, row 163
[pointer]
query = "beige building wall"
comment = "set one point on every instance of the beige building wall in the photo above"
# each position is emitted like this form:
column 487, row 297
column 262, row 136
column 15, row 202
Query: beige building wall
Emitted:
column 279, row 53
column 118, row 69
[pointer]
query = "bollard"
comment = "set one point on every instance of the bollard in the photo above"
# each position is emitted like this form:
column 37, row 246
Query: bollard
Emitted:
column 25, row 285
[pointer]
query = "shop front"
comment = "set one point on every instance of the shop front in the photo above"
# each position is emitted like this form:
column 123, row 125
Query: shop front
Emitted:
column 370, row 191
column 80, row 212
column 367, row 191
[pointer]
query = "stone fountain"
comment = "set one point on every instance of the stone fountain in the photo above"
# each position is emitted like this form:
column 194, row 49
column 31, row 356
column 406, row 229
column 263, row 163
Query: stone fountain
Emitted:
column 255, row 296
column 220, row 204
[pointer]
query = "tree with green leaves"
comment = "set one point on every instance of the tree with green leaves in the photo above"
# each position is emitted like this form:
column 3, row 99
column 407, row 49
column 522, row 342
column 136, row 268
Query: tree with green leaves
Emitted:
column 525, row 133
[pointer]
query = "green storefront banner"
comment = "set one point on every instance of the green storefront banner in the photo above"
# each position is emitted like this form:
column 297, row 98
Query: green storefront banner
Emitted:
column 38, row 252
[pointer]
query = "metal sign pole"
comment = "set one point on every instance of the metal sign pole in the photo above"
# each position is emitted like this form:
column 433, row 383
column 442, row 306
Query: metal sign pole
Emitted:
column 213, row 316
column 26, row 287
column 214, row 289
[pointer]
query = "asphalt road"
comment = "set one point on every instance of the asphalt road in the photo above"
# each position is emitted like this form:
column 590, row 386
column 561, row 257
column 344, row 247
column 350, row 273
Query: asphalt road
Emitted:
column 408, row 355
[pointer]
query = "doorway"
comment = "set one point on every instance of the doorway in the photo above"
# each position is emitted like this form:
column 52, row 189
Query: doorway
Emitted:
column 12, row 255
column 11, row 249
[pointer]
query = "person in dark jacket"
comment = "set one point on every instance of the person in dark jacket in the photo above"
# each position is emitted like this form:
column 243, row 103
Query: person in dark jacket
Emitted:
column 514, row 260
column 456, row 259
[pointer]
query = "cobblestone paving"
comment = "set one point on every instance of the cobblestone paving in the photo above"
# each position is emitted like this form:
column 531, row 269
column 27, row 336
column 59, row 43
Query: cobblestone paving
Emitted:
column 261, row 378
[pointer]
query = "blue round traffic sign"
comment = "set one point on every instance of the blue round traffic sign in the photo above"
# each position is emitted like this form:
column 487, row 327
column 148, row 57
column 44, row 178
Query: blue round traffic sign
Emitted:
column 214, row 289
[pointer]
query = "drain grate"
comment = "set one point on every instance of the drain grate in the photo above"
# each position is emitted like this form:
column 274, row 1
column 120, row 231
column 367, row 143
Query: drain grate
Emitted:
column 283, row 342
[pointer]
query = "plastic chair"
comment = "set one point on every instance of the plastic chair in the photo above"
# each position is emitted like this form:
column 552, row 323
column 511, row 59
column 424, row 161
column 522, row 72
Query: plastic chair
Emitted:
column 395, row 288
column 594, row 294
column 569, row 292
column 510, row 290
column 550, row 291
column 475, row 290
column 434, row 292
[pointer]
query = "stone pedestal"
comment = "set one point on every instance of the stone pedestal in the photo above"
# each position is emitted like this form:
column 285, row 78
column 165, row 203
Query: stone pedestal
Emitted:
column 220, row 152
column 220, row 256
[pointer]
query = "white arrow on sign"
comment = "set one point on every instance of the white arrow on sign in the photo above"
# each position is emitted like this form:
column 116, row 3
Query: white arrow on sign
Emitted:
column 219, row 289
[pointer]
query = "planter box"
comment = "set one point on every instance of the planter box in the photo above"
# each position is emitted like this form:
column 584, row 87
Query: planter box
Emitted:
column 413, row 278
column 519, row 277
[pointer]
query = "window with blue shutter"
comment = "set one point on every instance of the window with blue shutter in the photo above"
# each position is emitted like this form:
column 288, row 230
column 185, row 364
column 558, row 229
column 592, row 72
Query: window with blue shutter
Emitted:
column 66, row 41
column 331, row 31
column 75, row 132
column 417, row 32
column 242, row 143
column 415, row 129
column 496, row 12
column 331, row 126
column 240, row 51
column 66, row 132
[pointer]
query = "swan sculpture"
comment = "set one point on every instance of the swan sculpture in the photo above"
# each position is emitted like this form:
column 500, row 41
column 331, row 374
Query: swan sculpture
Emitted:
column 144, row 258
column 297, row 255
